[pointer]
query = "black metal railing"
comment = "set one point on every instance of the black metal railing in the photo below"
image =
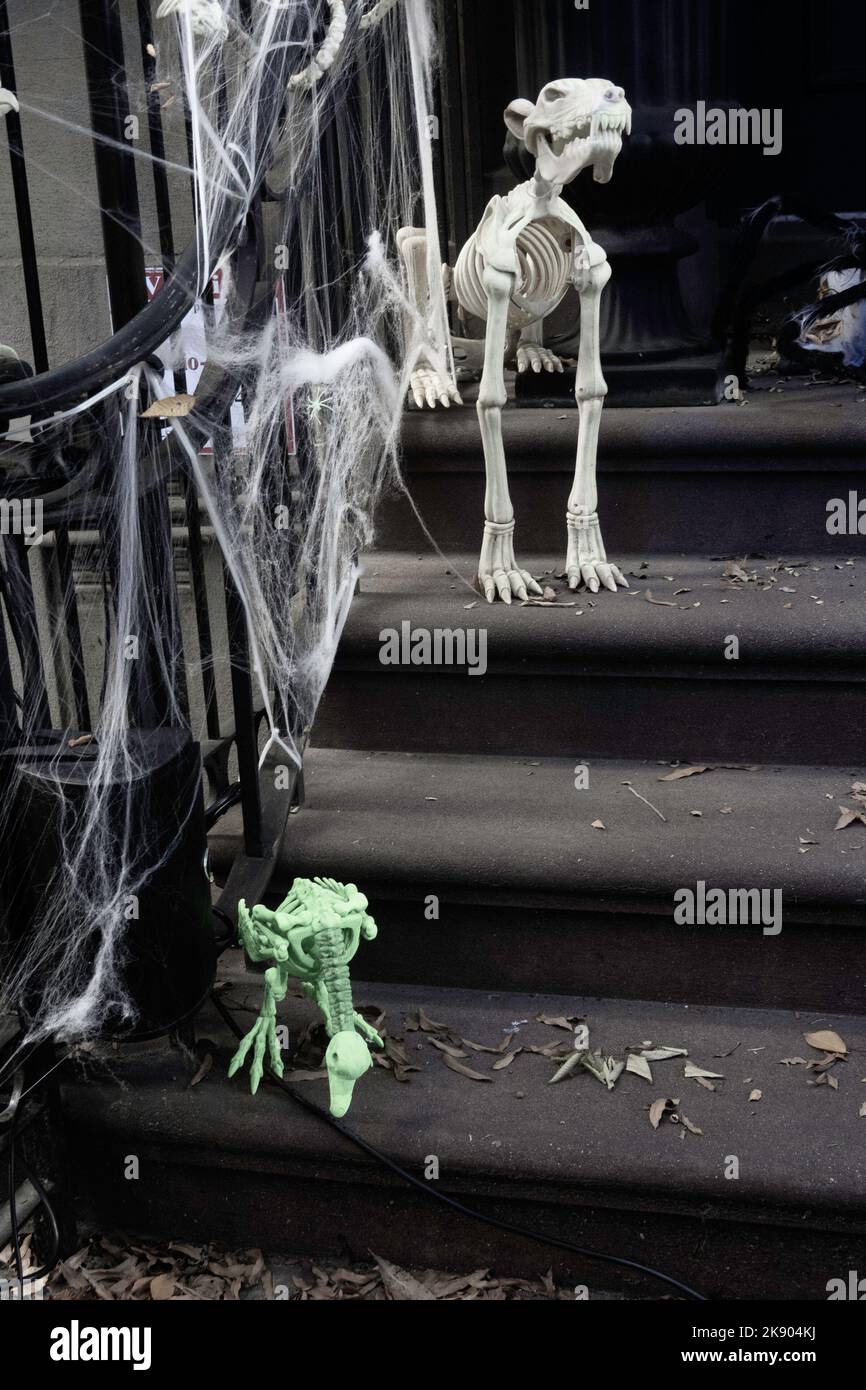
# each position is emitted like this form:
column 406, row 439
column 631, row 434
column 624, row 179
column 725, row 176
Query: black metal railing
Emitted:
column 73, row 507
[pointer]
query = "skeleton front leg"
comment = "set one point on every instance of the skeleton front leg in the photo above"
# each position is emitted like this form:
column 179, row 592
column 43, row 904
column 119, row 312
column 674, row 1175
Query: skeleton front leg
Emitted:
column 262, row 1037
column 498, row 572
column 428, row 384
column 586, row 558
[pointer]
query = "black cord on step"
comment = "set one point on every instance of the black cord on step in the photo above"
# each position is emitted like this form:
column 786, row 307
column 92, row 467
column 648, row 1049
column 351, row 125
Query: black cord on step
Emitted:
column 231, row 932
column 620, row 1260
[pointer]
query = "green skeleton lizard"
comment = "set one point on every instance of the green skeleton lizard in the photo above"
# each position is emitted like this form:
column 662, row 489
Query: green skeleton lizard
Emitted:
column 311, row 937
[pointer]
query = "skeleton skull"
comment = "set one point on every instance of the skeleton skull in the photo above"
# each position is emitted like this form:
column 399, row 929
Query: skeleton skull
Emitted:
column 347, row 1058
column 576, row 122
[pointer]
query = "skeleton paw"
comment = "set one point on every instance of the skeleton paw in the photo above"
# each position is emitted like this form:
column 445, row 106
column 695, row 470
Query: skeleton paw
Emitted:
column 587, row 562
column 538, row 358
column 262, row 1037
column 429, row 387
column 498, row 571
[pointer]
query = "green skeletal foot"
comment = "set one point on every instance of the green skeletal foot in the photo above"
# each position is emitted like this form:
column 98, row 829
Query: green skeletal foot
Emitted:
column 262, row 1038
column 367, row 1030
column 264, row 1035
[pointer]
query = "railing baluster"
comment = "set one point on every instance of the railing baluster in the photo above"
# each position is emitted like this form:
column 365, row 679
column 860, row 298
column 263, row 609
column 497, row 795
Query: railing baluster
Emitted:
column 166, row 240
column 21, row 609
column 30, row 268
column 115, row 165
column 21, row 193
column 105, row 66
column 246, row 741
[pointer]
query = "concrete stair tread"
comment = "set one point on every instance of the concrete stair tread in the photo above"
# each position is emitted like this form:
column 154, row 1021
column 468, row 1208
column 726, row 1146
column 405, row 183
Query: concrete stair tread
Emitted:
column 800, row 1150
column 516, row 829
column 778, row 430
column 756, row 476
column 814, row 631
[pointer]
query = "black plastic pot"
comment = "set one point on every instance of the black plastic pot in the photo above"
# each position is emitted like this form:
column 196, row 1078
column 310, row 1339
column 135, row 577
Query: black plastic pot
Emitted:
column 169, row 953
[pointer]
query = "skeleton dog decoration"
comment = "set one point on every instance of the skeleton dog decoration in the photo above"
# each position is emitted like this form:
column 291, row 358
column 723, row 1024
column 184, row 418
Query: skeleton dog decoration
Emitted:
column 514, row 270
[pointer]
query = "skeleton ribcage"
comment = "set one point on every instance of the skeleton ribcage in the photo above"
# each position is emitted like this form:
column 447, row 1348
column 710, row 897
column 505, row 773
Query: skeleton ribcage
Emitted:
column 544, row 258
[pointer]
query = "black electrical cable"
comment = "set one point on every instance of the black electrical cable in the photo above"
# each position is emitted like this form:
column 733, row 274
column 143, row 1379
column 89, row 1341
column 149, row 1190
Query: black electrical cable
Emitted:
column 620, row 1260
column 231, row 936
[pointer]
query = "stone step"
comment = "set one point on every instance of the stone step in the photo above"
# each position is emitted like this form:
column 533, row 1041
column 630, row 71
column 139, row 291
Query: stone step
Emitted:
column 768, row 1201
column 751, row 478
column 611, row 675
column 487, row 872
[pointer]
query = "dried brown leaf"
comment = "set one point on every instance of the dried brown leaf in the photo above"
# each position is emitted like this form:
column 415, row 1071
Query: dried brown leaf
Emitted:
column 162, row 1288
column 660, row 1107
column 679, row 773
column 556, row 1051
column 826, row 1040
column 661, row 1053
column 204, row 1067
column 639, row 1065
column 691, row 1070
column 447, row 1048
column 429, row 1025
column 559, row 1021
column 465, row 1071
column 169, row 408
column 400, row 1285
column 573, row 1060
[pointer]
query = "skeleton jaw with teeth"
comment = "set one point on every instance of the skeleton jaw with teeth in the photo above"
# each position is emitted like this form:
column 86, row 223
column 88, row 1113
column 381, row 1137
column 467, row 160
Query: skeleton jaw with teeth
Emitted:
column 576, row 122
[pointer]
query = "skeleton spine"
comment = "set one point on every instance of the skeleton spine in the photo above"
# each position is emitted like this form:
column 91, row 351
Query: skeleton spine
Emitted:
column 335, row 977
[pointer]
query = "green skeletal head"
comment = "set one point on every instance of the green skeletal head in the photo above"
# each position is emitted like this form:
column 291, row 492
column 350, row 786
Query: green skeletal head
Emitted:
column 347, row 1058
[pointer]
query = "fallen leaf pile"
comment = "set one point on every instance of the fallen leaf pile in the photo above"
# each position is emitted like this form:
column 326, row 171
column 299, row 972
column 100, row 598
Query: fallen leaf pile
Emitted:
column 454, row 1049
column 112, row 1269
column 465, row 1056
column 736, row 576
column 829, row 1042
